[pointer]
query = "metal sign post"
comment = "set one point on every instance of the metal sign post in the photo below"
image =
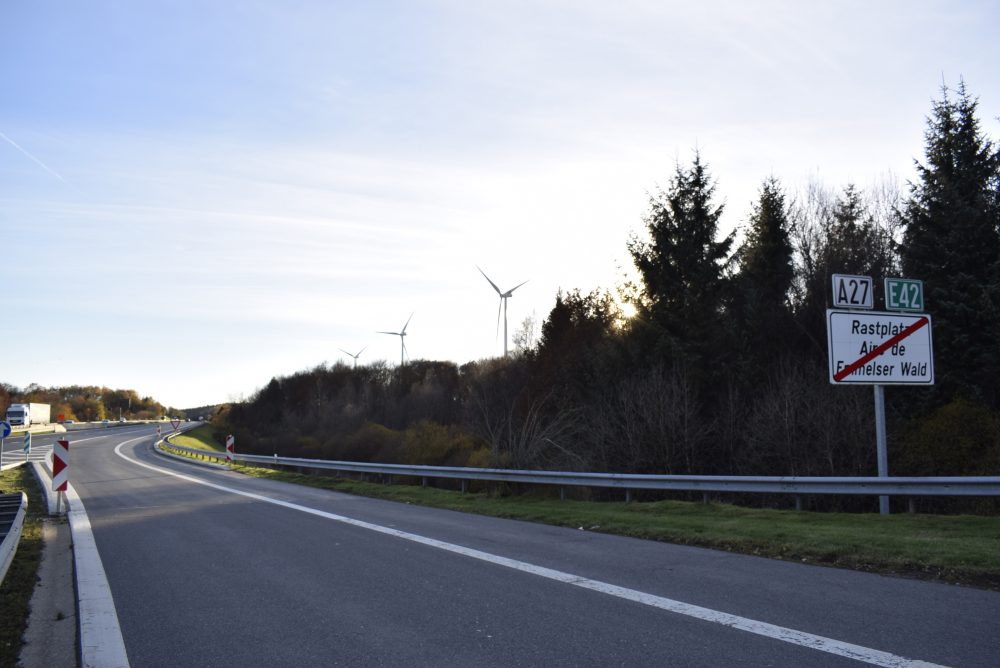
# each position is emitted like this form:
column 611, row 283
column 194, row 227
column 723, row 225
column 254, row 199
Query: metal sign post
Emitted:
column 879, row 348
column 882, row 450
column 4, row 433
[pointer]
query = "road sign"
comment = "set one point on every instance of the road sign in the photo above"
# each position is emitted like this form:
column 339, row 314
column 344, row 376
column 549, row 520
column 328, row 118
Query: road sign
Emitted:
column 230, row 448
column 852, row 291
column 877, row 348
column 27, row 444
column 4, row 429
column 175, row 424
column 904, row 294
column 60, row 466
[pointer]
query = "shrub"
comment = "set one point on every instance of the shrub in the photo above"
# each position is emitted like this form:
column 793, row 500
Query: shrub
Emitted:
column 959, row 438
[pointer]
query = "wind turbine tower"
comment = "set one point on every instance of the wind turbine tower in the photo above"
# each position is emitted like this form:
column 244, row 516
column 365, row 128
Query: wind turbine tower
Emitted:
column 353, row 355
column 402, row 344
column 504, row 296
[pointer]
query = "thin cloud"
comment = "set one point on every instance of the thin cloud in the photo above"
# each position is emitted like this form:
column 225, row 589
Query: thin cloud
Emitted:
column 33, row 158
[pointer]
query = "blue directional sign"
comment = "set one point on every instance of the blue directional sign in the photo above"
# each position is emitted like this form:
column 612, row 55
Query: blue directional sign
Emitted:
column 4, row 429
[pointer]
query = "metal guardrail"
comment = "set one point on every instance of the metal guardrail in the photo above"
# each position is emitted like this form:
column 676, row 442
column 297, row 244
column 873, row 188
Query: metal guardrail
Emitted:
column 898, row 486
column 12, row 510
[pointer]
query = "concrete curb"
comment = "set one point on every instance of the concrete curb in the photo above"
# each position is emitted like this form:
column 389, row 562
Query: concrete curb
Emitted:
column 43, row 474
column 101, row 641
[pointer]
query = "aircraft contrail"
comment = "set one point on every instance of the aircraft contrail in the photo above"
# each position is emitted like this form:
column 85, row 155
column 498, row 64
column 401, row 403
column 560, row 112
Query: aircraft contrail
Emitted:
column 33, row 158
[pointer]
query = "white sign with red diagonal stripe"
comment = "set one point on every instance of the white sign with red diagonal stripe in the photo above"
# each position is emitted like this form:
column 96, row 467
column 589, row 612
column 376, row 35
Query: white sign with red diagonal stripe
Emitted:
column 60, row 466
column 878, row 348
column 230, row 448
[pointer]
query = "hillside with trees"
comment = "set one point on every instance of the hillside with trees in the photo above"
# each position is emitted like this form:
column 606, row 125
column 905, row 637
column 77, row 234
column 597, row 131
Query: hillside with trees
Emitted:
column 721, row 365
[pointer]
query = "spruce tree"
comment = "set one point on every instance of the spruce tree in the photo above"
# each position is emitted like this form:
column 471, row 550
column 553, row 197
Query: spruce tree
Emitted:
column 952, row 243
column 760, row 308
column 682, row 266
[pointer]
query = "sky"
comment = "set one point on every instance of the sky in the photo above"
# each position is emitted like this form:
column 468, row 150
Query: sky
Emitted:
column 198, row 196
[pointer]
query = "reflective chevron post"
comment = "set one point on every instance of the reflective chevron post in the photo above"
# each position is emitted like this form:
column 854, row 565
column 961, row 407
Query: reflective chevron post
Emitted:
column 60, row 471
column 230, row 448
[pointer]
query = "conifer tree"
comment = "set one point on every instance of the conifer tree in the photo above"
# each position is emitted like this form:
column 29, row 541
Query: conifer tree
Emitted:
column 952, row 243
column 760, row 299
column 682, row 265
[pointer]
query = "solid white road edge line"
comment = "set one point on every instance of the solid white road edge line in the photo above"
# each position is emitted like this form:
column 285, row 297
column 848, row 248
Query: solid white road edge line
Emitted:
column 801, row 638
column 101, row 641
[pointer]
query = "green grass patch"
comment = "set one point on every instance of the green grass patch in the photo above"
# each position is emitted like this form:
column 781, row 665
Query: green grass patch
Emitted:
column 199, row 438
column 961, row 549
column 19, row 584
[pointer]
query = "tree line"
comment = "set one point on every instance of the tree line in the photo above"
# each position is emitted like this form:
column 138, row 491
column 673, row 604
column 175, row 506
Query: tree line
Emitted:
column 86, row 403
column 713, row 361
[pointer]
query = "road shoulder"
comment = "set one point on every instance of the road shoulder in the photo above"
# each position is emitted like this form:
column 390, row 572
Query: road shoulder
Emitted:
column 50, row 639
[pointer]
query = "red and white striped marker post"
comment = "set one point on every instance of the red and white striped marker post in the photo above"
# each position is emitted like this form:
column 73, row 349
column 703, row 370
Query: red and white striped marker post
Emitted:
column 60, row 471
column 230, row 448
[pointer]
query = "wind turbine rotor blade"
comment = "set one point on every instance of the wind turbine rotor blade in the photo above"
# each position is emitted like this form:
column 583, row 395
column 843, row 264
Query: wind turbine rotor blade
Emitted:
column 407, row 323
column 393, row 333
column 514, row 288
column 361, row 351
column 345, row 352
column 488, row 279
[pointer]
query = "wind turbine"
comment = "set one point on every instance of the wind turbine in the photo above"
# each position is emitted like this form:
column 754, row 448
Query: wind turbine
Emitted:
column 401, row 333
column 354, row 356
column 504, row 296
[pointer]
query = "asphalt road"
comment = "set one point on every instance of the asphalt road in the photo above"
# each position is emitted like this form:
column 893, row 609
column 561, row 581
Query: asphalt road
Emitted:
column 210, row 576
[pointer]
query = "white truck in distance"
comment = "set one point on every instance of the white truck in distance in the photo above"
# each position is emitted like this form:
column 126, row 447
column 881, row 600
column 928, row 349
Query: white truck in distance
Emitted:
column 25, row 415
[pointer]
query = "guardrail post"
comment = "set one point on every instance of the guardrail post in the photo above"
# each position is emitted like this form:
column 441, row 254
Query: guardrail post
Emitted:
column 704, row 498
column 912, row 505
column 562, row 493
column 798, row 502
column 423, row 481
column 465, row 484
column 628, row 496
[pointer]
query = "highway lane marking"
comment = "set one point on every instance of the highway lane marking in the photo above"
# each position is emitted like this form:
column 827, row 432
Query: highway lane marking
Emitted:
column 784, row 634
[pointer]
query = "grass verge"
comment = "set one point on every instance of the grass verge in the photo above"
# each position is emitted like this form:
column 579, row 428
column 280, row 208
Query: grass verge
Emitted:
column 959, row 549
column 17, row 587
column 199, row 438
